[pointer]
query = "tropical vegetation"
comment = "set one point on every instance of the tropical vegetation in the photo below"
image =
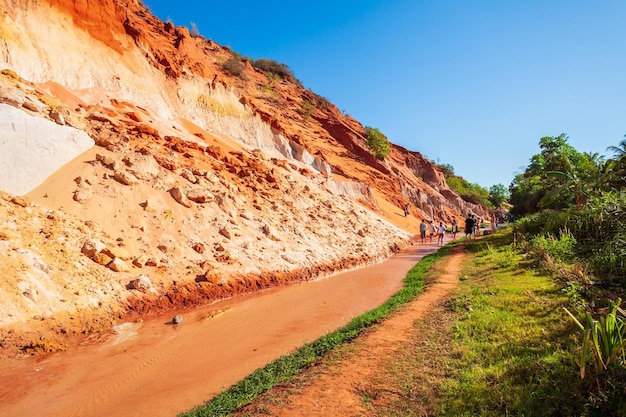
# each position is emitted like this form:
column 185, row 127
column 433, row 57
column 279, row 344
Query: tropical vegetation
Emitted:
column 580, row 194
column 571, row 209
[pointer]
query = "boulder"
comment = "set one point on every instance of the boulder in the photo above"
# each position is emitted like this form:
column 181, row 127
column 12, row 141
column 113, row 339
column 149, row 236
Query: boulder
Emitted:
column 118, row 265
column 141, row 283
column 92, row 246
column 200, row 195
column 21, row 201
column 225, row 231
column 140, row 261
column 101, row 258
column 199, row 247
column 82, row 194
column 117, row 252
column 271, row 233
column 180, row 197
column 144, row 167
column 125, row 178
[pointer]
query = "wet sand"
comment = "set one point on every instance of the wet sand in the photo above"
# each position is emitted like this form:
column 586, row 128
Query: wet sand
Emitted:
column 157, row 369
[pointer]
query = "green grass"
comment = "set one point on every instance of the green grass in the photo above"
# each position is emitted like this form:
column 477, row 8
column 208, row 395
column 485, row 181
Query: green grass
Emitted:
column 502, row 346
column 284, row 368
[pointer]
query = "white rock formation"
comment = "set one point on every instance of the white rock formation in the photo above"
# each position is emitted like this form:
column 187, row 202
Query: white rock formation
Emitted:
column 33, row 148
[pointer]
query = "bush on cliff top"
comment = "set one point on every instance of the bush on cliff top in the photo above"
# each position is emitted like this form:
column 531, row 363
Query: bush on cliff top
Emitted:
column 377, row 142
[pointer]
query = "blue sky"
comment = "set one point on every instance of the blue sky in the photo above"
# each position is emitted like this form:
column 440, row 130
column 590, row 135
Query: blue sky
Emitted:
column 474, row 84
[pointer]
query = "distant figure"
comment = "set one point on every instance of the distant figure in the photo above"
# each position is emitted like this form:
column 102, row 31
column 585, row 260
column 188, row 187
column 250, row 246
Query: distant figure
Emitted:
column 493, row 225
column 432, row 230
column 406, row 209
column 455, row 228
column 441, row 233
column 423, row 231
column 469, row 225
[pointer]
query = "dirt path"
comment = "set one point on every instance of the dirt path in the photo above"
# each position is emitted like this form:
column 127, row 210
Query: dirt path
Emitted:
column 335, row 388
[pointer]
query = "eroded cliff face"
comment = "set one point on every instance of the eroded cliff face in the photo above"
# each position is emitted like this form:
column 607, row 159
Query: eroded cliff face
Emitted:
column 138, row 175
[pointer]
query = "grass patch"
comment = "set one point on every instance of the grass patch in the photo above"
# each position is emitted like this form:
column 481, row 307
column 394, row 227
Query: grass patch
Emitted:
column 208, row 103
column 286, row 367
column 502, row 346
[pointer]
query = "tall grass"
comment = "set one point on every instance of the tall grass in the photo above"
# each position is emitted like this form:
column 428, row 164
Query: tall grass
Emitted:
column 603, row 340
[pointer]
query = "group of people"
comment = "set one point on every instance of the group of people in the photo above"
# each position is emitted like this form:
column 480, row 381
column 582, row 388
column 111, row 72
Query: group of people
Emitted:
column 429, row 230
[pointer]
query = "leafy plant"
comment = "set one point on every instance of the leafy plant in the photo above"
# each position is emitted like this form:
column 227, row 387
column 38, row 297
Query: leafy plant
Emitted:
column 603, row 340
column 377, row 142
column 598, row 229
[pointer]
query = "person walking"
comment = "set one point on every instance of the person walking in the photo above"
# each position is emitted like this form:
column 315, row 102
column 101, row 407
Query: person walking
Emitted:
column 432, row 230
column 455, row 228
column 441, row 233
column 469, row 225
column 423, row 231
column 406, row 209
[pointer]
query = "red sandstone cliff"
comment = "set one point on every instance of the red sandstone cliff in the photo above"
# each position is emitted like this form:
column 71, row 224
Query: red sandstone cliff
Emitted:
column 139, row 175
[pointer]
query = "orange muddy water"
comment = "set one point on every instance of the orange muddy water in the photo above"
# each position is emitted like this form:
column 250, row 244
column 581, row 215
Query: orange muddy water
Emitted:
column 156, row 369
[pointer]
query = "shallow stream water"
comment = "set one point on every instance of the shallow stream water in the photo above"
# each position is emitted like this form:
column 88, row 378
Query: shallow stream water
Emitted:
column 157, row 369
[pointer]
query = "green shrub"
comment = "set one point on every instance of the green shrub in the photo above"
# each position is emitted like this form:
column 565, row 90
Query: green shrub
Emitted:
column 545, row 222
column 273, row 67
column 234, row 66
column 377, row 142
column 560, row 249
column 472, row 193
column 599, row 229
column 307, row 109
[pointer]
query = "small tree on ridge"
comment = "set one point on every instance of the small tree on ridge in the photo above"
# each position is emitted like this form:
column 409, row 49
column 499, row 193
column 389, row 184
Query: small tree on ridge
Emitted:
column 377, row 142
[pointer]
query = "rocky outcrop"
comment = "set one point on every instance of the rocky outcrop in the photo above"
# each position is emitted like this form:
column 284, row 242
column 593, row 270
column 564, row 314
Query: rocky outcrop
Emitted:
column 33, row 148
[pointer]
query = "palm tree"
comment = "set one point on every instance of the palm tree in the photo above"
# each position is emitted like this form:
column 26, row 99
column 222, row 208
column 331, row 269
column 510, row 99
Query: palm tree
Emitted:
column 619, row 150
column 618, row 168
